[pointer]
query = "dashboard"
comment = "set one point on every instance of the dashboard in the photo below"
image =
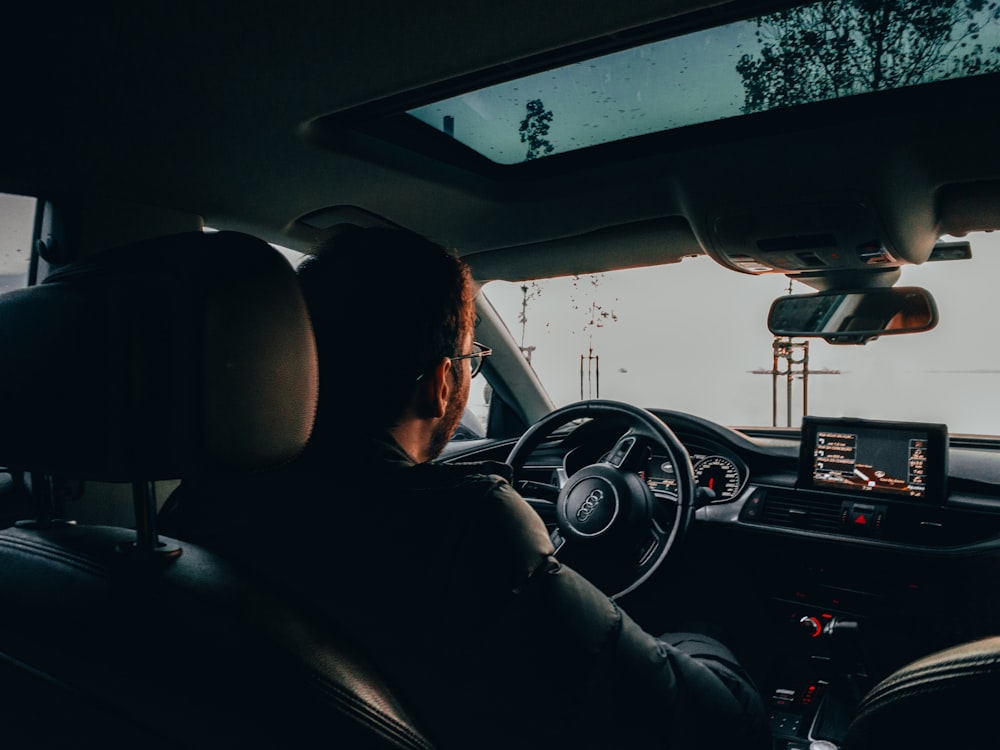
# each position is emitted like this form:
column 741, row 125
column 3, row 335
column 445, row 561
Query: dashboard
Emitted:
column 851, row 481
column 833, row 554
column 899, row 485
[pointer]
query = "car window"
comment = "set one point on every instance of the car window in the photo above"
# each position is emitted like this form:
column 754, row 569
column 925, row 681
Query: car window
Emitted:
column 693, row 336
column 17, row 218
column 720, row 73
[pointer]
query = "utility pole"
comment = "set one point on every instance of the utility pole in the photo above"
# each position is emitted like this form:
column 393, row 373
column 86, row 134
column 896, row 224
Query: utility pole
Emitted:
column 593, row 373
column 790, row 360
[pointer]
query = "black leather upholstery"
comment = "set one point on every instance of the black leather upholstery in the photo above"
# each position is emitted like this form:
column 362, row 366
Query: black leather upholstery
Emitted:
column 158, row 360
column 162, row 360
column 945, row 700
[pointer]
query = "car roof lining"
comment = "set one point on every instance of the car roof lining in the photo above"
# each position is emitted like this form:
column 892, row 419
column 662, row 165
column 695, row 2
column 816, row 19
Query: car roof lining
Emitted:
column 206, row 130
column 530, row 227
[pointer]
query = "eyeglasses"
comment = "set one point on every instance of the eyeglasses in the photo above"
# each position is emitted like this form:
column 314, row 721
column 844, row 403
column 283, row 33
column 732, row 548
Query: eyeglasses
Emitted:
column 475, row 359
column 479, row 352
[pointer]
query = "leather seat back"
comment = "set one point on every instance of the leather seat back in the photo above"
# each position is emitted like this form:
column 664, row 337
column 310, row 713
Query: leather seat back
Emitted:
column 944, row 700
column 163, row 360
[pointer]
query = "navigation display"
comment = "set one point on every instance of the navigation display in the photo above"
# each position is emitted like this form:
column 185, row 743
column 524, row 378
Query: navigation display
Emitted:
column 885, row 459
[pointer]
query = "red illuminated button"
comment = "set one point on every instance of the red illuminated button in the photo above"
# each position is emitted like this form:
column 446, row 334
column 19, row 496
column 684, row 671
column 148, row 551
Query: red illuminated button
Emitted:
column 861, row 519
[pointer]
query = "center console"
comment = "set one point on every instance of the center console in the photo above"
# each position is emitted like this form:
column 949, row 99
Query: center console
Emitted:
column 817, row 682
column 857, row 478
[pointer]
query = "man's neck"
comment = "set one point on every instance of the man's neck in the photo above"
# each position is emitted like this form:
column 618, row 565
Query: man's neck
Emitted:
column 414, row 437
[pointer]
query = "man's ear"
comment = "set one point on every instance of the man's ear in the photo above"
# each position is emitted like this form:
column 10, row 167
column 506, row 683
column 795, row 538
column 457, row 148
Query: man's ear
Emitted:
column 434, row 391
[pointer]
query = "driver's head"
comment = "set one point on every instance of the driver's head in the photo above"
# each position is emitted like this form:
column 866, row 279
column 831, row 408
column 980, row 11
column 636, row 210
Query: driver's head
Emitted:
column 389, row 310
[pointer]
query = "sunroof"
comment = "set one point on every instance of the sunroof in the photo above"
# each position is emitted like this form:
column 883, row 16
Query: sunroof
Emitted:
column 807, row 54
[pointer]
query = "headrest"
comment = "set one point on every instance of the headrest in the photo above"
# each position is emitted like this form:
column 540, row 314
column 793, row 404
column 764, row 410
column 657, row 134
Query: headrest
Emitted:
column 158, row 360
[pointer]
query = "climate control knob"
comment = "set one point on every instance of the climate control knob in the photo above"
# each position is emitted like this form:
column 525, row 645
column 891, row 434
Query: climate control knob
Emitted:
column 812, row 626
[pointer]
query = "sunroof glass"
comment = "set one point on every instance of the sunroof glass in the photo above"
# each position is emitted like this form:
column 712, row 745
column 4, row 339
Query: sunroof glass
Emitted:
column 811, row 53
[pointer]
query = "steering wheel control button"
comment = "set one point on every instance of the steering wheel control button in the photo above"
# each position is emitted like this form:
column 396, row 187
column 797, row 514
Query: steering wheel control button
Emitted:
column 621, row 451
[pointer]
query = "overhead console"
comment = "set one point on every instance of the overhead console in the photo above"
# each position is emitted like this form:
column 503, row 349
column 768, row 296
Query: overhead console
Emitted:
column 827, row 244
column 824, row 236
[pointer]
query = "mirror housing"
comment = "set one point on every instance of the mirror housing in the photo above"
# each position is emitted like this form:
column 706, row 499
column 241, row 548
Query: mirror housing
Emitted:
column 853, row 316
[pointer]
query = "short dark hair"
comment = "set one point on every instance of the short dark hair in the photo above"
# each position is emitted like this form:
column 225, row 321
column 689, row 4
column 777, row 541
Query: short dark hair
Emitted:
column 396, row 300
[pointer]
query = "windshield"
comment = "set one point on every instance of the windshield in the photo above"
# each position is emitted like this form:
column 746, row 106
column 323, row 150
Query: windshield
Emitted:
column 693, row 337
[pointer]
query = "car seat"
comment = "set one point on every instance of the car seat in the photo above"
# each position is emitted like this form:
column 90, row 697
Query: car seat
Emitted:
column 158, row 361
column 942, row 700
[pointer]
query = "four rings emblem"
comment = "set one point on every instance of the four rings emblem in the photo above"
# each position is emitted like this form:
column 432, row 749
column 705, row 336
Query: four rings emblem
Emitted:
column 588, row 506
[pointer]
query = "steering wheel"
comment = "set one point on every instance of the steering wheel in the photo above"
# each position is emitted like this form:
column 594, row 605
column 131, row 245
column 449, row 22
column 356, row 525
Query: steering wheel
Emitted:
column 609, row 522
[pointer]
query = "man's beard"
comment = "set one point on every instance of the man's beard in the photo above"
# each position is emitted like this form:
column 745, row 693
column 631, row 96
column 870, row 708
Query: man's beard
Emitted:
column 452, row 415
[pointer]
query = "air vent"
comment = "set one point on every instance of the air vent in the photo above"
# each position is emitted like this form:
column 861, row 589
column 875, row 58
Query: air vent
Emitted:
column 801, row 513
column 911, row 523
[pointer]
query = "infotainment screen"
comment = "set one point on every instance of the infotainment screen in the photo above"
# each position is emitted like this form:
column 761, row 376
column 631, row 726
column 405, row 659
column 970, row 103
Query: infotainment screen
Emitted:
column 884, row 459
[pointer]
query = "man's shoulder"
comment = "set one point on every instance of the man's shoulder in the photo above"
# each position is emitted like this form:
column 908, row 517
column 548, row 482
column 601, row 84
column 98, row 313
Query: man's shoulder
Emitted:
column 480, row 502
column 480, row 476
column 482, row 489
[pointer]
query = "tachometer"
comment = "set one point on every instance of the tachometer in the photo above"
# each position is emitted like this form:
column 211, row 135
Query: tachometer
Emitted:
column 720, row 475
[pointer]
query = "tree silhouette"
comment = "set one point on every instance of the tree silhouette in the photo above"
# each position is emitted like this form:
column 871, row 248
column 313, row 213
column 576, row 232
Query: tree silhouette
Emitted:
column 583, row 298
column 528, row 294
column 843, row 47
column 534, row 129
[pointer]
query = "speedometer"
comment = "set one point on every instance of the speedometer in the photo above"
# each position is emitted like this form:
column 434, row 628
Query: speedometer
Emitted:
column 720, row 475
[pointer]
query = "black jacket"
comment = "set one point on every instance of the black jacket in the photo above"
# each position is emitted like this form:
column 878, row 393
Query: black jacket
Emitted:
column 447, row 578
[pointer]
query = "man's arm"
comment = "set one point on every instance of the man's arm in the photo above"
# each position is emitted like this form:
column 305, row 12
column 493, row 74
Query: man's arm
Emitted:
column 686, row 691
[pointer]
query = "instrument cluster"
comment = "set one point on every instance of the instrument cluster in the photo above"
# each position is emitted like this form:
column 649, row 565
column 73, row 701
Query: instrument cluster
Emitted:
column 714, row 470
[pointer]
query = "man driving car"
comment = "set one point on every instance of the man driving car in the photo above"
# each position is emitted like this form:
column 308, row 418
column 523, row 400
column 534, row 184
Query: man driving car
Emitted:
column 442, row 571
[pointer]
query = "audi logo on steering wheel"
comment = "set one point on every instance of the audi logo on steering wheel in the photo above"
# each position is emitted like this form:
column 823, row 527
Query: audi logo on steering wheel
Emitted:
column 588, row 506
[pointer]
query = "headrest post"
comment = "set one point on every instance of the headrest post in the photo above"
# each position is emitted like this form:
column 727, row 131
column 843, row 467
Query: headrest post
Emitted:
column 147, row 542
column 143, row 495
column 44, row 504
column 46, row 499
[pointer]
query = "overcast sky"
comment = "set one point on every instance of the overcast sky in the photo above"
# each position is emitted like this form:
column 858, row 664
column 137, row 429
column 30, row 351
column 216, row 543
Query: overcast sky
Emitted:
column 689, row 335
column 17, row 215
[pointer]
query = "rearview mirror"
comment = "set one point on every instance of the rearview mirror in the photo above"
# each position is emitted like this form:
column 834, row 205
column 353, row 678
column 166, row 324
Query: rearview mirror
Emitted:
column 853, row 316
